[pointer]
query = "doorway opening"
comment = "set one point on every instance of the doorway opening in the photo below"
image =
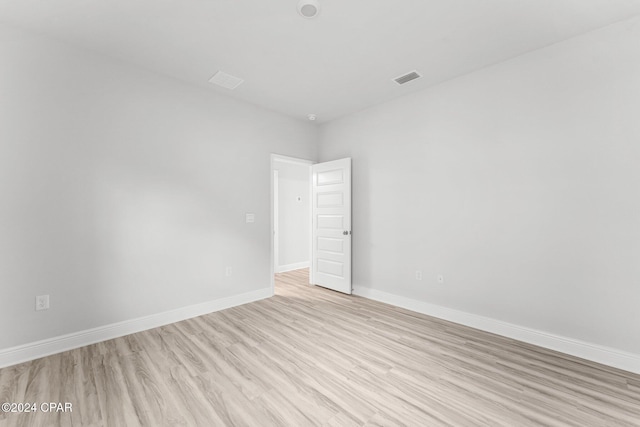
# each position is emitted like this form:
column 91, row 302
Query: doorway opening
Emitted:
column 311, row 220
column 291, row 215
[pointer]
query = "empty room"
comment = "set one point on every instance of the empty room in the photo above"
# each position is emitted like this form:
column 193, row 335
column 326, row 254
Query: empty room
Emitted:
column 320, row 213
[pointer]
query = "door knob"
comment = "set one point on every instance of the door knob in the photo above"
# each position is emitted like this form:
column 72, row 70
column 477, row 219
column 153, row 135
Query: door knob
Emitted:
column 345, row 233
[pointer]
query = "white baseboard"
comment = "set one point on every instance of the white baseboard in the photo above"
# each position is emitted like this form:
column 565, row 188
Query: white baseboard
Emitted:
column 35, row 350
column 593, row 352
column 291, row 267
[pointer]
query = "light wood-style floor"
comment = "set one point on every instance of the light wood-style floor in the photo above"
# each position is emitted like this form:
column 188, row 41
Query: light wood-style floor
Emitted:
column 310, row 356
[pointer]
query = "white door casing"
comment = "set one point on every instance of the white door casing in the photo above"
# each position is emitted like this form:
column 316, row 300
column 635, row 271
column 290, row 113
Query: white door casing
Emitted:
column 331, row 208
column 276, row 219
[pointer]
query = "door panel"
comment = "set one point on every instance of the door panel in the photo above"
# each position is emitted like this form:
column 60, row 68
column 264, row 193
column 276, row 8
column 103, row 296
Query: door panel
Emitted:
column 328, row 244
column 330, row 200
column 331, row 250
column 331, row 176
column 333, row 222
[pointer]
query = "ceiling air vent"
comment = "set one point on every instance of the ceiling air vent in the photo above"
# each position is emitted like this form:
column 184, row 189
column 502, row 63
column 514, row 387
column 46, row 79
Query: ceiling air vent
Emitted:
column 406, row 78
column 225, row 80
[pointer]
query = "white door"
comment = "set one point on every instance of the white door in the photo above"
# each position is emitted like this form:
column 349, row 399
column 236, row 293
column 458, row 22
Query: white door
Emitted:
column 331, row 208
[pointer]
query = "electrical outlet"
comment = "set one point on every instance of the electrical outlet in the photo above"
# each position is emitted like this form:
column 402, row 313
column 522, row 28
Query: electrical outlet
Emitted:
column 228, row 271
column 440, row 278
column 418, row 274
column 42, row 302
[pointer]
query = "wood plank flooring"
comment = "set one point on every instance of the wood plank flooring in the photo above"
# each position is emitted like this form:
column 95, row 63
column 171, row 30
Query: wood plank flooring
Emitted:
column 313, row 357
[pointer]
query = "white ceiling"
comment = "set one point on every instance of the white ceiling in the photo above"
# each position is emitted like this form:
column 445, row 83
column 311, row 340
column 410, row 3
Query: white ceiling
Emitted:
column 340, row 62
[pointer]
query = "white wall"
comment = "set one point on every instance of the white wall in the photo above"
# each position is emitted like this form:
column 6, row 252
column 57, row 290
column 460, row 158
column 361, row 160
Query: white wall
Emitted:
column 519, row 183
column 294, row 216
column 123, row 193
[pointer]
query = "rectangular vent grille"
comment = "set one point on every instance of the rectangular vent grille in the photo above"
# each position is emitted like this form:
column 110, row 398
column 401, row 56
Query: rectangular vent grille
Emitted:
column 406, row 78
column 225, row 80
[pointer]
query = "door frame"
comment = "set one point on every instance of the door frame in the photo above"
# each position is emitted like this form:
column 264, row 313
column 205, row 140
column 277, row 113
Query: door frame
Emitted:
column 276, row 217
column 296, row 161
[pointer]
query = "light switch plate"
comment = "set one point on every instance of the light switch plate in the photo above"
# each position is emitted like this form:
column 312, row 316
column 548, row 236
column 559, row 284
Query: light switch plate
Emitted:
column 42, row 302
column 250, row 217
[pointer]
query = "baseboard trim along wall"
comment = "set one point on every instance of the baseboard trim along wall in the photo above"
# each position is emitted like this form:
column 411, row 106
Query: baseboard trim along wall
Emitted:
column 36, row 350
column 595, row 353
column 291, row 267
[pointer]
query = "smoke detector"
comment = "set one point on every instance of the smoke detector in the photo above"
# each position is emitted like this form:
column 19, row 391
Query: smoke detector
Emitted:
column 308, row 8
column 311, row 117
